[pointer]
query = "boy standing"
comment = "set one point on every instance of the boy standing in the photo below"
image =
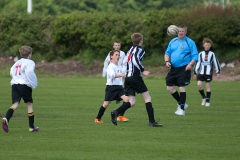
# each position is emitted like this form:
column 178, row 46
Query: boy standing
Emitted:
column 23, row 80
column 114, row 89
column 134, row 81
column 204, row 70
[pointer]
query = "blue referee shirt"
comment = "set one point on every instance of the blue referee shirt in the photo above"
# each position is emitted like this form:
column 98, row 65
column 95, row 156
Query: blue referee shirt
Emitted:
column 181, row 52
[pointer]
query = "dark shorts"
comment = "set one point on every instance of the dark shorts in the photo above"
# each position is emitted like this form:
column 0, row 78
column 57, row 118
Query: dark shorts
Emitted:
column 21, row 91
column 206, row 78
column 113, row 92
column 134, row 85
column 178, row 77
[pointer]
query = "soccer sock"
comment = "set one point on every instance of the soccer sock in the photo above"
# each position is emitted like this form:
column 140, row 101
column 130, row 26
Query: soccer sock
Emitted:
column 9, row 113
column 101, row 112
column 150, row 111
column 123, row 107
column 122, row 113
column 176, row 96
column 182, row 99
column 208, row 97
column 31, row 119
column 202, row 93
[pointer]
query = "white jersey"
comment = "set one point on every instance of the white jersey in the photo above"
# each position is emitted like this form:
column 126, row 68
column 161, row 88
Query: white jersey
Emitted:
column 113, row 69
column 107, row 61
column 206, row 59
column 22, row 72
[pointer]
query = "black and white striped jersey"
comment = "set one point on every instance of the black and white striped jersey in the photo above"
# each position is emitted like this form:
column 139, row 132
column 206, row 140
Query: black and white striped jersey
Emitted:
column 133, row 63
column 206, row 60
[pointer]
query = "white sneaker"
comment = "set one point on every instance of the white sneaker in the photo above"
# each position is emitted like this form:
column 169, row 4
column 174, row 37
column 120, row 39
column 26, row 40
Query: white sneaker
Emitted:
column 207, row 104
column 179, row 108
column 181, row 113
column 203, row 102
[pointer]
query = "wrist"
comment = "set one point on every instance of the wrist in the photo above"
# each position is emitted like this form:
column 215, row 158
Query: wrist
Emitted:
column 166, row 62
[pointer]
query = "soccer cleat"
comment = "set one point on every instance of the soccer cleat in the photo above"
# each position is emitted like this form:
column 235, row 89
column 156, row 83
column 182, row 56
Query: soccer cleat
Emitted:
column 122, row 119
column 179, row 108
column 5, row 124
column 207, row 104
column 203, row 102
column 155, row 124
column 114, row 117
column 181, row 113
column 35, row 129
column 98, row 120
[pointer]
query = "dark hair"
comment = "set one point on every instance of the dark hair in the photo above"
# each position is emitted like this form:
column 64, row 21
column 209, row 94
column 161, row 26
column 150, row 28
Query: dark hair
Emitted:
column 113, row 51
column 136, row 38
column 183, row 26
column 117, row 41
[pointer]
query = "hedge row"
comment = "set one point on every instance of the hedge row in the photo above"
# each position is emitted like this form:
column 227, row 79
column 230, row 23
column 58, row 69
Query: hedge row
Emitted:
column 90, row 35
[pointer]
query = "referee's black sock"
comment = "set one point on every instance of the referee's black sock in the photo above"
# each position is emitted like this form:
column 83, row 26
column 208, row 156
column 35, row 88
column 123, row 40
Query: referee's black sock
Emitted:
column 182, row 99
column 9, row 114
column 176, row 96
column 101, row 112
column 202, row 93
column 123, row 107
column 150, row 111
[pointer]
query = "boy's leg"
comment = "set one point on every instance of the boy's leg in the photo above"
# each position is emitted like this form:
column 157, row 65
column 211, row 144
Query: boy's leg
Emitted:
column 121, row 109
column 8, row 116
column 32, row 128
column 101, row 112
column 150, row 111
column 208, row 94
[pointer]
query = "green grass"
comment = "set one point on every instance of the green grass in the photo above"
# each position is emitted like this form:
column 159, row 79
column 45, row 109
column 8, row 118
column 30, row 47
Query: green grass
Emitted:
column 65, row 109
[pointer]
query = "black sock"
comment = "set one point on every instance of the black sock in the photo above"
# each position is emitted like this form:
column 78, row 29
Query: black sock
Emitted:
column 122, row 113
column 202, row 93
column 123, row 107
column 182, row 99
column 101, row 112
column 31, row 119
column 176, row 96
column 150, row 112
column 9, row 114
column 208, row 97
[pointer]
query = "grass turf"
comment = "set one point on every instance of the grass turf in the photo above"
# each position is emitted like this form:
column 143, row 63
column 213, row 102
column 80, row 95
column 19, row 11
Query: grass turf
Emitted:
column 65, row 109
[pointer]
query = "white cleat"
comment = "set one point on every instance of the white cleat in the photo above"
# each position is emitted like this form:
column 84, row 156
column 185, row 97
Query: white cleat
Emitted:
column 181, row 113
column 203, row 102
column 207, row 104
column 179, row 108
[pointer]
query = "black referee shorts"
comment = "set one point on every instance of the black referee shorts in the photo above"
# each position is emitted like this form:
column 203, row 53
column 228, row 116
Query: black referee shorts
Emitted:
column 134, row 85
column 113, row 92
column 203, row 77
column 178, row 77
column 21, row 91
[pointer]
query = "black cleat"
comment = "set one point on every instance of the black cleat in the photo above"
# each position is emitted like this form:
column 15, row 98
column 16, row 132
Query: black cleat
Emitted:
column 155, row 124
column 114, row 117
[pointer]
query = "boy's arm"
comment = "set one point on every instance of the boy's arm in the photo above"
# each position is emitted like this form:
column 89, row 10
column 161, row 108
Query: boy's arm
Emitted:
column 31, row 76
column 106, row 62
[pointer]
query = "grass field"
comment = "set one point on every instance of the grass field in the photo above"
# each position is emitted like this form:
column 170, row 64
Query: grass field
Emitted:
column 65, row 109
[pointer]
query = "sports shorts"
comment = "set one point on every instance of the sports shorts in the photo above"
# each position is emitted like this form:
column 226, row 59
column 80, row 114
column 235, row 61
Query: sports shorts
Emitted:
column 178, row 77
column 134, row 85
column 113, row 92
column 21, row 91
column 203, row 77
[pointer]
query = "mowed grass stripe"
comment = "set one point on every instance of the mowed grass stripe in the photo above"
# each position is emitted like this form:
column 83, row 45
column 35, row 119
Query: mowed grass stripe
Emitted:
column 65, row 109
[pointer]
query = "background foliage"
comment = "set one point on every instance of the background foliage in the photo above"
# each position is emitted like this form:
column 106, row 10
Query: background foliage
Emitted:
column 58, row 30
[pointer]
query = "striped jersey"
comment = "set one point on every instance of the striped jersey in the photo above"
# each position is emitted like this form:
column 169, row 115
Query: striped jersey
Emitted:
column 133, row 63
column 206, row 60
column 107, row 61
column 22, row 72
column 113, row 69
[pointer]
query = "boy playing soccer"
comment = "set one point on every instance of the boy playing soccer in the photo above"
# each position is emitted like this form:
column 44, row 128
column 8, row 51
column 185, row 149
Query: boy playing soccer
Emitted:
column 204, row 70
column 23, row 80
column 114, row 89
column 134, row 81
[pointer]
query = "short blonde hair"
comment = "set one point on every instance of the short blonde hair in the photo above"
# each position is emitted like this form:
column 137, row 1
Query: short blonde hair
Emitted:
column 25, row 51
column 207, row 40
column 136, row 38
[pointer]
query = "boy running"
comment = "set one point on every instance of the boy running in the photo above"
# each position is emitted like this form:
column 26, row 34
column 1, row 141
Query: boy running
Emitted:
column 23, row 80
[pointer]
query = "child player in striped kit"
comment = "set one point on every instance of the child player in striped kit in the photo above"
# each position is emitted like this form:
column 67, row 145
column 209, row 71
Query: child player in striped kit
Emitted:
column 203, row 70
